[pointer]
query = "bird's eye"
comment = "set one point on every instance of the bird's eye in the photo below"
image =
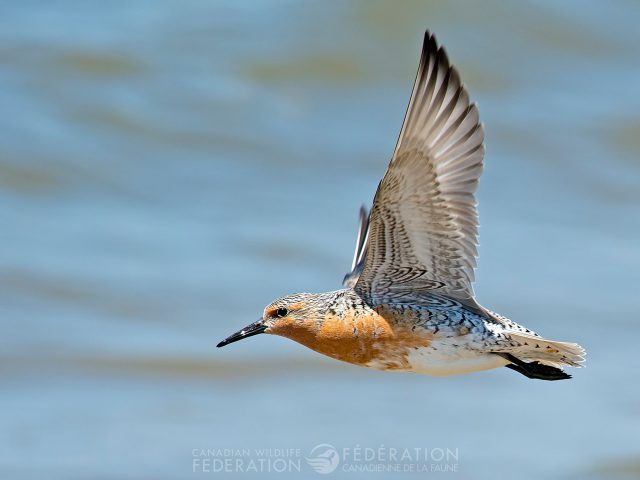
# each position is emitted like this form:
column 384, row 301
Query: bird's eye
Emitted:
column 282, row 312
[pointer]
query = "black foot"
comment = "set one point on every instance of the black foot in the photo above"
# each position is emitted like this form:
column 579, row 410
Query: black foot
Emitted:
column 534, row 369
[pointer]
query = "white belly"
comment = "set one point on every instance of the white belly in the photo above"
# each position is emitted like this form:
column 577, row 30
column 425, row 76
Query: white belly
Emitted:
column 451, row 361
column 445, row 356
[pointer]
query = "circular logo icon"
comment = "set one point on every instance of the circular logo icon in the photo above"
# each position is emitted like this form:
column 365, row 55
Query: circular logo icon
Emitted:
column 323, row 458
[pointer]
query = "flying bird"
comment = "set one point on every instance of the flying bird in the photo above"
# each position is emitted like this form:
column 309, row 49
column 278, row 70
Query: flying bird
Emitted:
column 408, row 302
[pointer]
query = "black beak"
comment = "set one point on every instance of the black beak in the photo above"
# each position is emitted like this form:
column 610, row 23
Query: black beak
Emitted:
column 254, row 329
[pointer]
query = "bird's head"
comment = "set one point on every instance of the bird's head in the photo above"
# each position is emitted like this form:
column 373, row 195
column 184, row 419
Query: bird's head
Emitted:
column 297, row 317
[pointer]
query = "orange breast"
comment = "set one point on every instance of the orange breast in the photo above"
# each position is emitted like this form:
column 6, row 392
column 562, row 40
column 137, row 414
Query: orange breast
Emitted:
column 361, row 339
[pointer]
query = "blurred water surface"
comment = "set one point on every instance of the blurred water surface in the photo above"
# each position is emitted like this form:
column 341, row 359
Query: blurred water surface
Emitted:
column 168, row 168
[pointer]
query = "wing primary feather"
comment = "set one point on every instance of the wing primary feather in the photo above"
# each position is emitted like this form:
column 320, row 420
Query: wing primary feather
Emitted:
column 423, row 226
column 360, row 252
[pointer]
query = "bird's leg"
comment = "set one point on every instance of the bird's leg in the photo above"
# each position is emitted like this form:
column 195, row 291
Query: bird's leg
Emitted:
column 534, row 369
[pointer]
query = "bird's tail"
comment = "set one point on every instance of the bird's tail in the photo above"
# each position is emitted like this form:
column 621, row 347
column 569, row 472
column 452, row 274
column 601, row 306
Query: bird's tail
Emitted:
column 548, row 352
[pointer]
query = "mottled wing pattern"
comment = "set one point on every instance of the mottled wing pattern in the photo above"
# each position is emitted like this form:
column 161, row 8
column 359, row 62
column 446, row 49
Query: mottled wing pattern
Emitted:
column 351, row 278
column 423, row 230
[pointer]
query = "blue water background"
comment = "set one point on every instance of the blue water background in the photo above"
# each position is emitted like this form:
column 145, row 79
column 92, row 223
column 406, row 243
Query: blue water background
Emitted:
column 169, row 168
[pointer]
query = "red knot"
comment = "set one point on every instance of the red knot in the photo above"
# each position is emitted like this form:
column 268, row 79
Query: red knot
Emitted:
column 408, row 302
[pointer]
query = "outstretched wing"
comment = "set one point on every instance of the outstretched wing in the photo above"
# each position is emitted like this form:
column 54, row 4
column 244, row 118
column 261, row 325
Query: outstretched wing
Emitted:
column 423, row 231
column 351, row 278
